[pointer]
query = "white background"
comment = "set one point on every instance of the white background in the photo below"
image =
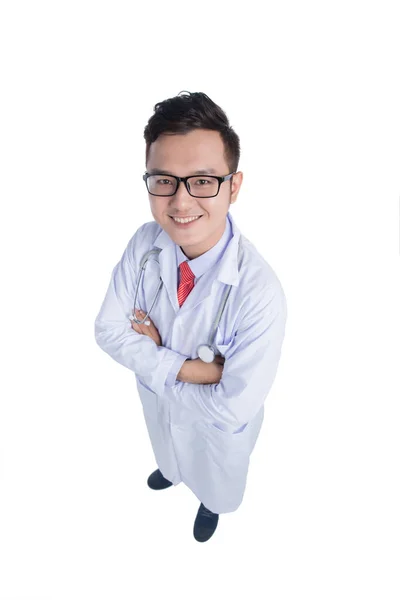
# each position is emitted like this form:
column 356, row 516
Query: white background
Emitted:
column 312, row 90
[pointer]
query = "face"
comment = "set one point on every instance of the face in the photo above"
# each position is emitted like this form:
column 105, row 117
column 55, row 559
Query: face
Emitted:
column 184, row 155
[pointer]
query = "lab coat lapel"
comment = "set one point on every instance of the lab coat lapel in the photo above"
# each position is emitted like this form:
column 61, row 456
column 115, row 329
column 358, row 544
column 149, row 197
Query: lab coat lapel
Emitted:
column 227, row 271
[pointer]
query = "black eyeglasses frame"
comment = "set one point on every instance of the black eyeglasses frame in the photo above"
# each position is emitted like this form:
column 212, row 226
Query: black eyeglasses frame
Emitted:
column 220, row 178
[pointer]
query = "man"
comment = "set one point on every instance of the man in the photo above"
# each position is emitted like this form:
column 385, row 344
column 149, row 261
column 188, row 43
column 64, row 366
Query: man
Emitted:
column 203, row 418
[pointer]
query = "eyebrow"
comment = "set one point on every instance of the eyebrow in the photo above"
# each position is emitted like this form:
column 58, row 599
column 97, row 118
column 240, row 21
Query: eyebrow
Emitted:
column 198, row 172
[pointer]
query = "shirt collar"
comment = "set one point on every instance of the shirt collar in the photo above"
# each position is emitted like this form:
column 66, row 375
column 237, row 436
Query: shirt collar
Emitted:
column 201, row 264
column 227, row 271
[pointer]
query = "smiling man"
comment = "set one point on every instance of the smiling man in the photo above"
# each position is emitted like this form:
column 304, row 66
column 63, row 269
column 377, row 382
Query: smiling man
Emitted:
column 198, row 153
column 207, row 355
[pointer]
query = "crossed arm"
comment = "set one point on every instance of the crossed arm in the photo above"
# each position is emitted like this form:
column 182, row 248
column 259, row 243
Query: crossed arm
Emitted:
column 192, row 371
column 229, row 392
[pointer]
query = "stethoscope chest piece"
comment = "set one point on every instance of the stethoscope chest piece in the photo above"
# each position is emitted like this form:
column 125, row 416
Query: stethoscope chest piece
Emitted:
column 206, row 353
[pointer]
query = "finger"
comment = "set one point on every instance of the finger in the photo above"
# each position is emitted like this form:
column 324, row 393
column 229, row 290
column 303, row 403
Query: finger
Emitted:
column 141, row 316
column 135, row 325
column 138, row 314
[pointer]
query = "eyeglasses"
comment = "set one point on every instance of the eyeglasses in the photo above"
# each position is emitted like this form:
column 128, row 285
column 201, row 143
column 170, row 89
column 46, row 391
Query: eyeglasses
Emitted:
column 199, row 186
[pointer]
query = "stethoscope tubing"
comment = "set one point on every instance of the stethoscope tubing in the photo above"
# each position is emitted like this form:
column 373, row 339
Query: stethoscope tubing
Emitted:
column 213, row 333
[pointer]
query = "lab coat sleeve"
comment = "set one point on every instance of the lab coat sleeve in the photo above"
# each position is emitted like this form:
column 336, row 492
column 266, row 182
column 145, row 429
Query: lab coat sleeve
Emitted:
column 174, row 370
column 114, row 333
column 251, row 363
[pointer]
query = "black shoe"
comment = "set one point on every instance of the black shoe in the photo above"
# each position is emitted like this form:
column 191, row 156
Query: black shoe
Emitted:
column 205, row 524
column 157, row 481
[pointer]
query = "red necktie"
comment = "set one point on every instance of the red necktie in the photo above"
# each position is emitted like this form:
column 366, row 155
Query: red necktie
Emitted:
column 186, row 283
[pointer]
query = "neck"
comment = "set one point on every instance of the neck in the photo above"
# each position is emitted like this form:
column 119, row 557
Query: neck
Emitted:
column 197, row 250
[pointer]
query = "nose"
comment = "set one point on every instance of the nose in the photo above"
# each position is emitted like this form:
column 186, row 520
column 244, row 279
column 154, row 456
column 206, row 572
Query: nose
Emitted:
column 182, row 198
column 181, row 190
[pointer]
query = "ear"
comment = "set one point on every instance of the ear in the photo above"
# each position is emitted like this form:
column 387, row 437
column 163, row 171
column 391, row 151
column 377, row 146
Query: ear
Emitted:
column 237, row 180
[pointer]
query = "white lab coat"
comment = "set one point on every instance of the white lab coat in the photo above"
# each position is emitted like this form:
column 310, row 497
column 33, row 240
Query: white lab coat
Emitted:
column 202, row 435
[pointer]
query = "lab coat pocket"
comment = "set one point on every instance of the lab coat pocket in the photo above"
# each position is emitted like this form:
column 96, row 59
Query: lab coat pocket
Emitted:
column 230, row 451
column 217, row 426
column 228, row 445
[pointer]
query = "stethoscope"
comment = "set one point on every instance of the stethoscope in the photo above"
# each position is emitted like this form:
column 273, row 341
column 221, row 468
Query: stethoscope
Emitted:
column 205, row 352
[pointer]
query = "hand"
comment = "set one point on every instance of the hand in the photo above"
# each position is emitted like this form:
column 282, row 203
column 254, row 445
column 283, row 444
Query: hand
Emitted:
column 212, row 372
column 218, row 363
column 149, row 330
column 219, row 359
column 199, row 372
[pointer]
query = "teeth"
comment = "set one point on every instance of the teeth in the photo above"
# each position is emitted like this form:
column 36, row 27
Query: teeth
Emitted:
column 187, row 220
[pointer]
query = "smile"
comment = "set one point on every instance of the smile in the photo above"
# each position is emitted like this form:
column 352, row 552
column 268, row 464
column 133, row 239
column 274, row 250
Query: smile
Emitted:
column 186, row 219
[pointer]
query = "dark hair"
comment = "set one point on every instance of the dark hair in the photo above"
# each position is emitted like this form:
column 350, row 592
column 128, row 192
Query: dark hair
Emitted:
column 196, row 110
